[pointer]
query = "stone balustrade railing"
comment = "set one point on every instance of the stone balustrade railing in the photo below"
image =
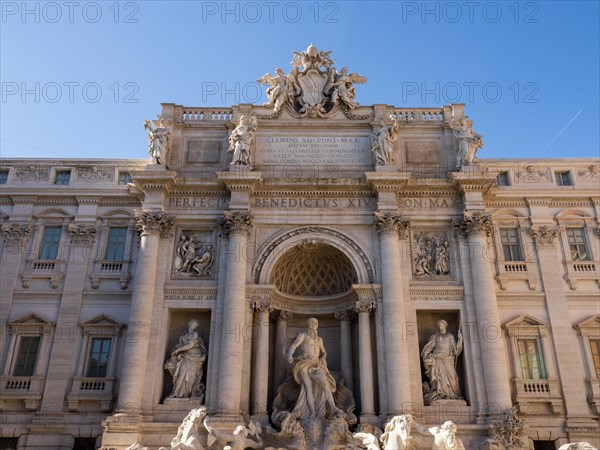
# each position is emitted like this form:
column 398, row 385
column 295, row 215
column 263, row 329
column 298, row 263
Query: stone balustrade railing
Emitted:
column 427, row 115
column 199, row 115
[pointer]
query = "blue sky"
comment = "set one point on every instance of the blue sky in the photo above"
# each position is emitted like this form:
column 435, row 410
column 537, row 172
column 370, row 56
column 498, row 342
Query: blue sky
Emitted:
column 79, row 78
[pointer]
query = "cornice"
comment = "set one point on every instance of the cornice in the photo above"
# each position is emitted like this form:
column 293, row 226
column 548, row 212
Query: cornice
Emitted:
column 520, row 298
column 592, row 298
column 437, row 294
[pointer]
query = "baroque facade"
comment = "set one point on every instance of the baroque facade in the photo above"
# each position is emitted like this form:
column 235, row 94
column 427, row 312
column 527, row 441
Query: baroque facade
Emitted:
column 445, row 286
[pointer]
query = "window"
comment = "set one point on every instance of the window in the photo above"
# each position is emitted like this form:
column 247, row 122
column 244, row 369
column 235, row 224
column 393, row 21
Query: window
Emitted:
column 9, row 443
column 99, row 352
column 577, row 245
column 563, row 178
column 63, row 177
column 50, row 241
column 530, row 359
column 28, row 349
column 115, row 246
column 3, row 176
column 124, row 178
column 502, row 179
column 595, row 347
column 511, row 247
column 84, row 444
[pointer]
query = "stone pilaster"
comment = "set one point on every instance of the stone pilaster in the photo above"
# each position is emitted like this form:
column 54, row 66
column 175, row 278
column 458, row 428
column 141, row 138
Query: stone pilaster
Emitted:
column 477, row 226
column 260, row 366
column 235, row 225
column 569, row 364
column 392, row 227
column 345, row 318
column 365, row 353
column 151, row 226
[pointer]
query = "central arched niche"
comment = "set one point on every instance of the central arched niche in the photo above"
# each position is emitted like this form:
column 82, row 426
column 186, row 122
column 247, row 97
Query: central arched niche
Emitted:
column 313, row 269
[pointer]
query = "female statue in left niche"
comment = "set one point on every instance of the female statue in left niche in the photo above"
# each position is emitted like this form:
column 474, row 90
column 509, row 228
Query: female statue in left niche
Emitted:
column 186, row 364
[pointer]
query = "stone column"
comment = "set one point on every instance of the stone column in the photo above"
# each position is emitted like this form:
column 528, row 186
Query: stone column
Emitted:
column 151, row 226
column 365, row 354
column 477, row 226
column 281, row 363
column 345, row 344
column 260, row 368
column 235, row 225
column 391, row 226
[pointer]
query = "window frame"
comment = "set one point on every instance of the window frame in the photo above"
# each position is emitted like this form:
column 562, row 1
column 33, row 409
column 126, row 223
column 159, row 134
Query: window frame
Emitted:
column 40, row 247
column 18, row 354
column 128, row 180
column 585, row 243
column 505, row 174
column 123, row 248
column 518, row 244
column 538, row 355
column 64, row 176
column 558, row 177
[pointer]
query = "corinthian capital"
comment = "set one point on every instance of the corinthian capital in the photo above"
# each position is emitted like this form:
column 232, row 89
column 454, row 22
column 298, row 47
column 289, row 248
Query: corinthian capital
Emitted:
column 14, row 233
column 82, row 234
column 474, row 223
column 391, row 223
column 364, row 306
column 236, row 222
column 262, row 305
column 545, row 236
column 155, row 223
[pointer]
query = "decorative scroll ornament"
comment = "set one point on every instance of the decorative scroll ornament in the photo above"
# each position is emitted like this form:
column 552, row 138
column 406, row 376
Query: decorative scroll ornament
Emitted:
column 155, row 223
column 93, row 174
column 236, row 222
column 282, row 314
column 262, row 305
column 590, row 173
column 391, row 223
column 344, row 314
column 545, row 236
column 14, row 233
column 82, row 234
column 314, row 88
column 365, row 306
column 474, row 223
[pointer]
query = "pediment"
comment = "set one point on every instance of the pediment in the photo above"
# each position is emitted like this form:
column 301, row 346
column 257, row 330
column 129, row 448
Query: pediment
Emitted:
column 30, row 318
column 525, row 321
column 102, row 320
column 592, row 323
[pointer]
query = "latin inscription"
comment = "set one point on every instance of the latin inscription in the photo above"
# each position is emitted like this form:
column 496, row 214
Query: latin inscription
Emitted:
column 343, row 151
column 197, row 202
column 358, row 203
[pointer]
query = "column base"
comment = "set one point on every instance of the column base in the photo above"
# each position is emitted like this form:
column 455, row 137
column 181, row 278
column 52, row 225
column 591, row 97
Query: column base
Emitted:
column 371, row 419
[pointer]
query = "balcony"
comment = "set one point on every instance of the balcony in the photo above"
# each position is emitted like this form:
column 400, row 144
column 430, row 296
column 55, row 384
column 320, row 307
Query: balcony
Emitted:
column 111, row 270
column 515, row 270
column 529, row 394
column 50, row 269
column 17, row 389
column 593, row 386
column 581, row 270
column 91, row 390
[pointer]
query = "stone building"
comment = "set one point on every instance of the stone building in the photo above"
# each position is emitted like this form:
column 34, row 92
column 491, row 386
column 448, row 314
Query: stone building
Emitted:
column 379, row 221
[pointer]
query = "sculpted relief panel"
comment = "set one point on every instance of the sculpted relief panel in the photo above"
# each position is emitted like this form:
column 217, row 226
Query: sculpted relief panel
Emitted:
column 194, row 255
column 432, row 256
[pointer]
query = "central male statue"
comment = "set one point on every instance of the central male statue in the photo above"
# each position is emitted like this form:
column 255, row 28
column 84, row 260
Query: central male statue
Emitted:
column 311, row 373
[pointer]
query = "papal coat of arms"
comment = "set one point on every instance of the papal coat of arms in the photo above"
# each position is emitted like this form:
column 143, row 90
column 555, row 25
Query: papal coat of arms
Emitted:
column 313, row 88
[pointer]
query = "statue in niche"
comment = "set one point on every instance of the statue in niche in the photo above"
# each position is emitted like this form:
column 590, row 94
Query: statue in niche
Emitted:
column 468, row 141
column 188, row 434
column 444, row 437
column 241, row 140
column 439, row 358
column 186, row 364
column 240, row 439
column 311, row 373
column 158, row 141
column 382, row 142
column 431, row 255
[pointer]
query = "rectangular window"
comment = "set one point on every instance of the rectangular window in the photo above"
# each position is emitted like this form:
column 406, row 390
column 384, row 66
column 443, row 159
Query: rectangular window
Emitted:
column 595, row 346
column 50, row 242
column 3, row 176
column 530, row 358
column 98, row 363
column 26, row 356
column 502, row 179
column 124, row 178
column 563, row 178
column 511, row 246
column 577, row 245
column 63, row 177
column 115, row 246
